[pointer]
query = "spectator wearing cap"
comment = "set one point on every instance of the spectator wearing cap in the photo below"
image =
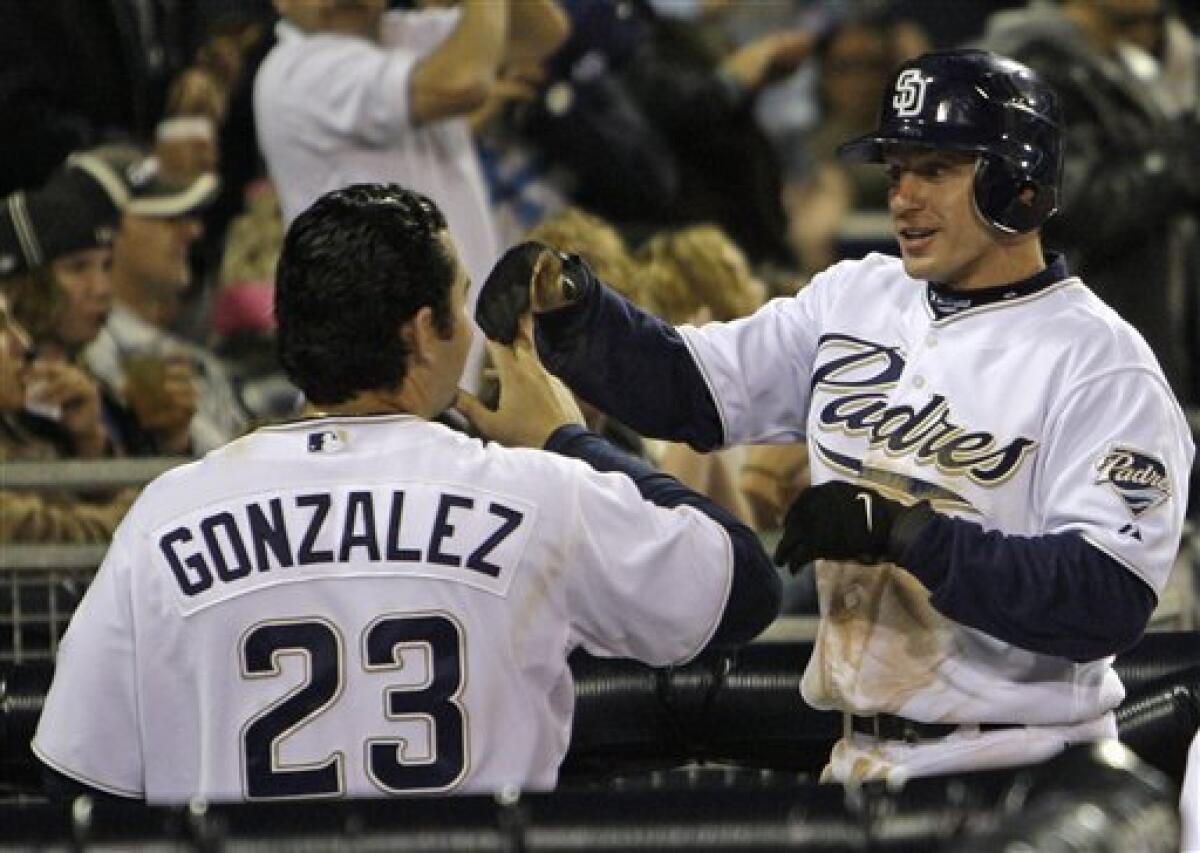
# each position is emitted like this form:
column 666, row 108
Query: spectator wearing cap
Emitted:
column 55, row 258
column 157, row 372
column 55, row 254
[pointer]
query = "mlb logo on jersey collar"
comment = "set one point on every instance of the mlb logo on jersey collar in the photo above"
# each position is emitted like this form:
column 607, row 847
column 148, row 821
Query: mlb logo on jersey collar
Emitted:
column 327, row 441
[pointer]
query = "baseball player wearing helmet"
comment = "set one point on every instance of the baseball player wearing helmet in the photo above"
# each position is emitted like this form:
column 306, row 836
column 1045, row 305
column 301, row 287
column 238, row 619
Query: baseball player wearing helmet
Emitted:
column 999, row 467
column 367, row 602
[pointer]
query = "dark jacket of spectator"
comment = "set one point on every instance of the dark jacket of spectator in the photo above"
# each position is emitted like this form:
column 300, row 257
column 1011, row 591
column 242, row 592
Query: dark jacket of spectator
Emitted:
column 654, row 133
column 74, row 74
column 1131, row 189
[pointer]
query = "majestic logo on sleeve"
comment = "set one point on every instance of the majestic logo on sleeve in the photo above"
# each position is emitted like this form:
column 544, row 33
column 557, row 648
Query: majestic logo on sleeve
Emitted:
column 858, row 382
column 1139, row 478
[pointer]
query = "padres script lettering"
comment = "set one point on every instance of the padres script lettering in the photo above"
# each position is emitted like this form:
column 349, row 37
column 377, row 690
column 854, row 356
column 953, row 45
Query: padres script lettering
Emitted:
column 927, row 433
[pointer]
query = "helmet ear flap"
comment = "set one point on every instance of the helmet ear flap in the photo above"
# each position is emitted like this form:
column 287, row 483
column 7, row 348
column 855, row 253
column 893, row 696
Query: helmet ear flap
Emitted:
column 1009, row 201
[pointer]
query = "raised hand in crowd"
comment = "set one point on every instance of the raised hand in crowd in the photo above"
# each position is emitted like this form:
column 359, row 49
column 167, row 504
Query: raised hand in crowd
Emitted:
column 768, row 59
column 161, row 391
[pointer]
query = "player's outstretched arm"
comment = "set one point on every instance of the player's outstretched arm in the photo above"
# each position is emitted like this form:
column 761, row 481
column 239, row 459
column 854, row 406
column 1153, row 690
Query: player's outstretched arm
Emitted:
column 536, row 410
column 1040, row 593
column 626, row 362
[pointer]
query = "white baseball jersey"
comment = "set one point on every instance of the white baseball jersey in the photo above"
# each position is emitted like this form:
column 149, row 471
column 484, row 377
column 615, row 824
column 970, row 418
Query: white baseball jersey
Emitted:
column 1042, row 414
column 1189, row 801
column 366, row 606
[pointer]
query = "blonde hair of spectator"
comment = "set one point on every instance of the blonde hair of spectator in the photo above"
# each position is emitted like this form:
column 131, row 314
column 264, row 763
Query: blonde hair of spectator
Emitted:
column 597, row 242
column 699, row 268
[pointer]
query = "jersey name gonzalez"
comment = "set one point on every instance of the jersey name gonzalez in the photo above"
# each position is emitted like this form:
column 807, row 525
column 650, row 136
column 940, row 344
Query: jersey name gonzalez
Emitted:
column 472, row 538
column 852, row 391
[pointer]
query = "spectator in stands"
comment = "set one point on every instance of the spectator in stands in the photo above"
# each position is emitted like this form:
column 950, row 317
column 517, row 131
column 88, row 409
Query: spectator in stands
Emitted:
column 243, row 316
column 185, row 141
column 1131, row 193
column 853, row 64
column 207, row 127
column 55, row 255
column 817, row 204
column 160, row 375
column 50, row 516
column 352, row 92
column 77, row 75
column 658, row 130
column 697, row 274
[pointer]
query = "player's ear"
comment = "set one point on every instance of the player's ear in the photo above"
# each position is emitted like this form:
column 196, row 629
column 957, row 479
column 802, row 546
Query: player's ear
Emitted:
column 421, row 334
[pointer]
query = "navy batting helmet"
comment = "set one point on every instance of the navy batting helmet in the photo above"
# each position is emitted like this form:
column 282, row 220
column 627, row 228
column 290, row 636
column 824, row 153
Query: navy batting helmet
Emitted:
column 973, row 100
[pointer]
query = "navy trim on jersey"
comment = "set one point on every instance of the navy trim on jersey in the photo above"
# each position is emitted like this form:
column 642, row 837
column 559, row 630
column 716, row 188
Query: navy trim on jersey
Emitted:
column 631, row 365
column 1055, row 594
column 946, row 302
column 755, row 593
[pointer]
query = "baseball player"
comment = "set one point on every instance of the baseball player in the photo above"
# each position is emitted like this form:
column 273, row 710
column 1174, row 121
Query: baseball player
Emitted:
column 999, row 467
column 367, row 602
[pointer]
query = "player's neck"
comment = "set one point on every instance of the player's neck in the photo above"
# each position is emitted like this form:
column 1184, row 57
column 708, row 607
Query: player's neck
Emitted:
column 1008, row 264
column 367, row 403
column 413, row 397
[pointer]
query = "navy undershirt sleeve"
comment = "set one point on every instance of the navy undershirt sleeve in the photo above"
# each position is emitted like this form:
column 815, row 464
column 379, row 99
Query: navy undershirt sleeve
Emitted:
column 630, row 365
column 756, row 591
column 1055, row 594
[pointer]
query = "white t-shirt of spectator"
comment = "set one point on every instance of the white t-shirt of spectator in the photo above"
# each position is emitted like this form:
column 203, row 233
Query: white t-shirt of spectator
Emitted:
column 332, row 110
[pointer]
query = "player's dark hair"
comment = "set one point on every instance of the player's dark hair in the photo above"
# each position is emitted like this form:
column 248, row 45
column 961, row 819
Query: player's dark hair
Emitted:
column 355, row 266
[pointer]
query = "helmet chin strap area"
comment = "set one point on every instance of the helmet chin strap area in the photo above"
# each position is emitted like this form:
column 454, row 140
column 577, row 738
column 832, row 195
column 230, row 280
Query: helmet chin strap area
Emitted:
column 1004, row 200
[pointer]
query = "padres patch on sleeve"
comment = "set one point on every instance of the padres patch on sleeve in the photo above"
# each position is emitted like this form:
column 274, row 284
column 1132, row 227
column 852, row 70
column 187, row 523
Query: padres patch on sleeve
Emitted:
column 1139, row 478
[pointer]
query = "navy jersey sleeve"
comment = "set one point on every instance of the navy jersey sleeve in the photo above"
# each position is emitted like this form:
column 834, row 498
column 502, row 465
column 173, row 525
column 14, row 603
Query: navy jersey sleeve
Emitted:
column 1054, row 594
column 630, row 365
column 756, row 590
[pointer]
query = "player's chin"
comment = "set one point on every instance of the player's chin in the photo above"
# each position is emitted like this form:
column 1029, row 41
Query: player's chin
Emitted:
column 920, row 267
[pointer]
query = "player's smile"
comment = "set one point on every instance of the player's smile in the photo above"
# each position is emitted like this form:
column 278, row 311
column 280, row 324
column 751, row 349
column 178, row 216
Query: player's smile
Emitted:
column 916, row 241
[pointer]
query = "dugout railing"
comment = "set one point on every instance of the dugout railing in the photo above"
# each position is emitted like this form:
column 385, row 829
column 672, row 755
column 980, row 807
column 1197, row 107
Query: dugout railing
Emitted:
column 1094, row 798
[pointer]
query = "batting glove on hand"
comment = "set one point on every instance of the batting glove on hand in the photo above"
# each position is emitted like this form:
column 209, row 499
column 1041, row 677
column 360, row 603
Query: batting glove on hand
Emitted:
column 504, row 297
column 842, row 521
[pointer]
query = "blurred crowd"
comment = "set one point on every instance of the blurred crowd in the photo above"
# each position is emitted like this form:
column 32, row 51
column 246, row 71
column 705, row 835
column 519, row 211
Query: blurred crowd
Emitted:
column 683, row 148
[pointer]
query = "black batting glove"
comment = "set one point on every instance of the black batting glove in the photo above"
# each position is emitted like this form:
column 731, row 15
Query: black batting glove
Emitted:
column 504, row 297
column 842, row 521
